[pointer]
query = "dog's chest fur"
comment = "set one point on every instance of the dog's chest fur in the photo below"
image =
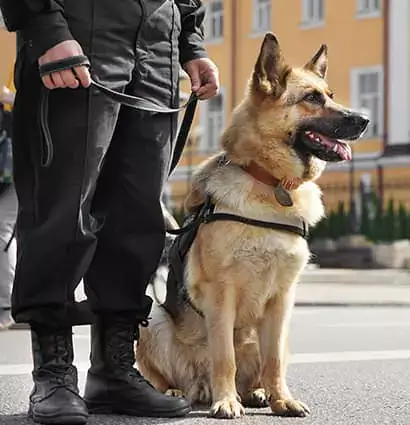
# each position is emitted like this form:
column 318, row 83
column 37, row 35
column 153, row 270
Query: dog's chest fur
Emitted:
column 252, row 262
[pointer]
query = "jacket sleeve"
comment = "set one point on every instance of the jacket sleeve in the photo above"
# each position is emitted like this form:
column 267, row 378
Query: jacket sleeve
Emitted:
column 191, row 40
column 41, row 23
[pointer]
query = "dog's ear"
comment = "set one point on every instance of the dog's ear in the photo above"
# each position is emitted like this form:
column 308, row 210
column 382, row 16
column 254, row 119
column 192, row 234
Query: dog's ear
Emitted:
column 318, row 64
column 270, row 70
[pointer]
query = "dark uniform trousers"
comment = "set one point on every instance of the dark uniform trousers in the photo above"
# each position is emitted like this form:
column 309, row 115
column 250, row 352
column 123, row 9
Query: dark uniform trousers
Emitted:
column 95, row 212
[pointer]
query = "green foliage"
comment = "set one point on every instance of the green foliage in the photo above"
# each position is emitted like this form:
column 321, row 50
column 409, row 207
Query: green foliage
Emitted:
column 390, row 222
column 403, row 222
column 343, row 221
column 378, row 224
column 378, row 230
column 365, row 221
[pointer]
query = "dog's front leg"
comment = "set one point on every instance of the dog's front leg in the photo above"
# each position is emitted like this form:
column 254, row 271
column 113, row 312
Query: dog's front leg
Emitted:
column 220, row 321
column 273, row 334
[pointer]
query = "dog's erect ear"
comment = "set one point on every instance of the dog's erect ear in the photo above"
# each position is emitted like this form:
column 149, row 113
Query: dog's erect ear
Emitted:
column 318, row 64
column 270, row 68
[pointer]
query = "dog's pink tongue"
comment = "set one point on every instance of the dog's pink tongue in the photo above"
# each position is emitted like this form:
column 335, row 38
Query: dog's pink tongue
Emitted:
column 338, row 146
column 344, row 151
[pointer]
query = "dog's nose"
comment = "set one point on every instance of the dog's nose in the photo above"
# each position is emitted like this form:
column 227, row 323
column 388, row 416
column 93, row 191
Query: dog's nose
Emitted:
column 361, row 121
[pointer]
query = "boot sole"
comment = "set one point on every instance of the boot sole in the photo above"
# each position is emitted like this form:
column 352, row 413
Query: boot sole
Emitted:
column 66, row 419
column 107, row 409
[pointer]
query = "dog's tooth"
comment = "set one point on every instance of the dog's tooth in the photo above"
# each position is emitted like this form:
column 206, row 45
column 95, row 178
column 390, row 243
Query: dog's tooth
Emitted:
column 336, row 148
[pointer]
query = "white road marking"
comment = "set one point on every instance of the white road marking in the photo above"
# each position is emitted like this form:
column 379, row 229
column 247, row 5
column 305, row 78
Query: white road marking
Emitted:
column 349, row 356
column 367, row 325
column 298, row 358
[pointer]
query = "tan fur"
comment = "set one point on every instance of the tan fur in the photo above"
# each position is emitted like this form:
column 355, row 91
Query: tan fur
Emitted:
column 243, row 278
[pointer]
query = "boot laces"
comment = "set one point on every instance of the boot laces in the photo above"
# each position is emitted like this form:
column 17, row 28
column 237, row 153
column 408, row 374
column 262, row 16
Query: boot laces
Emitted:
column 57, row 376
column 126, row 357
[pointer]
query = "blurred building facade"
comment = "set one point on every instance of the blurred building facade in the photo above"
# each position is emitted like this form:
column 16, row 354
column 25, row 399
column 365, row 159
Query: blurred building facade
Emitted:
column 369, row 69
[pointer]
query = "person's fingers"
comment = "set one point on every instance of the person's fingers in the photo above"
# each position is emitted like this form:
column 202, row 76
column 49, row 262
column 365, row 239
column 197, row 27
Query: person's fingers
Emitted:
column 195, row 78
column 57, row 80
column 48, row 82
column 83, row 74
column 209, row 89
column 69, row 78
column 65, row 78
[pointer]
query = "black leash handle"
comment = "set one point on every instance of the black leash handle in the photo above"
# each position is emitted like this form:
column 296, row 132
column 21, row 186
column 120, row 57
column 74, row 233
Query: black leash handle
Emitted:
column 122, row 98
column 125, row 99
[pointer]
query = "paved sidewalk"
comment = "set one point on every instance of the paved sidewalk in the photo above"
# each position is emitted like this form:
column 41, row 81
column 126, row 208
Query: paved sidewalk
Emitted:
column 340, row 287
column 345, row 287
column 313, row 274
column 359, row 294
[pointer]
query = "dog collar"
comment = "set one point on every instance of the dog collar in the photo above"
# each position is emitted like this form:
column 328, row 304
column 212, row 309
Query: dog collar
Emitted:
column 281, row 187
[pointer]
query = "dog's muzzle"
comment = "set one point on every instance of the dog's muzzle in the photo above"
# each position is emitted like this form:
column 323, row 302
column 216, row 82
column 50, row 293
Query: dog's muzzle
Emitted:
column 325, row 148
column 328, row 139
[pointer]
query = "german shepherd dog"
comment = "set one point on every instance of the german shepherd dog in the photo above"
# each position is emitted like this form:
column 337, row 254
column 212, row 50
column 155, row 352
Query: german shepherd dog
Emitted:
column 240, row 276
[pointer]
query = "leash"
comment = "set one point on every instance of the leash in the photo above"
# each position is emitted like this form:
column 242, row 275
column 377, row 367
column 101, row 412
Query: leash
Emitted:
column 124, row 99
column 134, row 102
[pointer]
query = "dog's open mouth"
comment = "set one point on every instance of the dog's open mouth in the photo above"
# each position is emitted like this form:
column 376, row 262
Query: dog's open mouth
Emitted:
column 326, row 148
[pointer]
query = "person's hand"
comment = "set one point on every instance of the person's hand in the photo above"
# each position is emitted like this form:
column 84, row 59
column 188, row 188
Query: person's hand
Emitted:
column 66, row 78
column 204, row 77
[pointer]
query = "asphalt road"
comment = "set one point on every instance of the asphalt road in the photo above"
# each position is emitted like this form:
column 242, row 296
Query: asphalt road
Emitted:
column 350, row 365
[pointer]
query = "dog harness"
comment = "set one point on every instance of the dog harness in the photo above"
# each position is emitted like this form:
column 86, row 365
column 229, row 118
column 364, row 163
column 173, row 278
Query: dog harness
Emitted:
column 177, row 297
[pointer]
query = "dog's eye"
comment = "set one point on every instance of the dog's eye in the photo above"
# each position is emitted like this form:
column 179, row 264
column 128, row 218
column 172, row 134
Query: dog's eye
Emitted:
column 314, row 97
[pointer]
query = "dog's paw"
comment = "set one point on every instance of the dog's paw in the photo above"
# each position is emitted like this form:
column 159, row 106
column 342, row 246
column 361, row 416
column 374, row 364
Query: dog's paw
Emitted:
column 256, row 398
column 173, row 392
column 227, row 408
column 290, row 407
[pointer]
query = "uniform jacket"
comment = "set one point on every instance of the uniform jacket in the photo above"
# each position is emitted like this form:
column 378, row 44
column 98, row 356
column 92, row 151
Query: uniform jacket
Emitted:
column 149, row 39
column 41, row 24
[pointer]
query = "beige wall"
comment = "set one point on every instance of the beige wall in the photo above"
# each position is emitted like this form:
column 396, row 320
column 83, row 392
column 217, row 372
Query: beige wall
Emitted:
column 7, row 55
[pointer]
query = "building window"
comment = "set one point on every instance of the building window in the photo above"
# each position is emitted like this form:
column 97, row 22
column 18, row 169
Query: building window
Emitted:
column 368, row 7
column 262, row 15
column 312, row 12
column 212, row 122
column 367, row 96
column 215, row 20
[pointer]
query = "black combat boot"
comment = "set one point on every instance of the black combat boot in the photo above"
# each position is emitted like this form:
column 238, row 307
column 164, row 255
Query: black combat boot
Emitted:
column 114, row 385
column 55, row 398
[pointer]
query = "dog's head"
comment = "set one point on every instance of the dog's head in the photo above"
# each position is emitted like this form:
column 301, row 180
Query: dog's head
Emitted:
column 297, row 126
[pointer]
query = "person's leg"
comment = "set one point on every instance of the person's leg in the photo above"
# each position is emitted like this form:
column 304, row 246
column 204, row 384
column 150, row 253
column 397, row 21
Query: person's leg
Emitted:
column 131, row 239
column 55, row 229
column 129, row 247
column 55, row 238
column 8, row 213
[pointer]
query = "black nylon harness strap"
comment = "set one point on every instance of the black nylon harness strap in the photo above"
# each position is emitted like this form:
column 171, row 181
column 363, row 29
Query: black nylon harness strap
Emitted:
column 300, row 231
column 124, row 99
column 185, row 237
column 211, row 216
